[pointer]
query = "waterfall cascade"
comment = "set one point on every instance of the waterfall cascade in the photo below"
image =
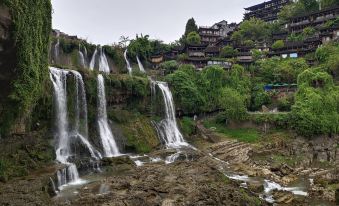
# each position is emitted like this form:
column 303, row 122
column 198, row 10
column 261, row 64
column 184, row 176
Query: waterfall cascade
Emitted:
column 107, row 139
column 83, row 61
column 63, row 136
column 100, row 58
column 167, row 128
column 129, row 68
column 56, row 47
column 141, row 67
column 103, row 63
column 92, row 63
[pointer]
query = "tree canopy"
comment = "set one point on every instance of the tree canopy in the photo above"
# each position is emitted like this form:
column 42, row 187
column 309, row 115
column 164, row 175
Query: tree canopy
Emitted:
column 193, row 38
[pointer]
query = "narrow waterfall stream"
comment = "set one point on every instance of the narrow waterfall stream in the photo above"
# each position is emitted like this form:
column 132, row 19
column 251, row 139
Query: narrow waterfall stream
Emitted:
column 103, row 63
column 56, row 47
column 107, row 139
column 141, row 67
column 167, row 128
column 83, row 61
column 129, row 68
column 63, row 136
column 99, row 61
column 93, row 59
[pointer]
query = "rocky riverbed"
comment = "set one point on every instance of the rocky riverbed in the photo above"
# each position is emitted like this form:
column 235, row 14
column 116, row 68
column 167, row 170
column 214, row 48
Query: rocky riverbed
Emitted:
column 219, row 171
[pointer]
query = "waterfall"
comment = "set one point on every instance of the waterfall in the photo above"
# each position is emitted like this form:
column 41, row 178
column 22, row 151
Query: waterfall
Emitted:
column 92, row 63
column 83, row 62
column 103, row 63
column 81, row 127
column 59, row 78
column 129, row 68
column 141, row 67
column 56, row 47
column 107, row 139
column 167, row 128
column 63, row 136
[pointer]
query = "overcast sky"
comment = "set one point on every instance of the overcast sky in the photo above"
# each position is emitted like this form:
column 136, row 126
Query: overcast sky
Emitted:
column 104, row 21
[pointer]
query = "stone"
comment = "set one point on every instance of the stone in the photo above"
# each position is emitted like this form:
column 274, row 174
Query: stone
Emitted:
column 256, row 187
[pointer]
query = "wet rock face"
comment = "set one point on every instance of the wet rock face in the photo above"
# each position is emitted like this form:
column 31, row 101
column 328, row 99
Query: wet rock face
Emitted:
column 7, row 54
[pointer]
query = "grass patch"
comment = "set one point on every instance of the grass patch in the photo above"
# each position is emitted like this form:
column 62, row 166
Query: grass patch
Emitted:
column 243, row 135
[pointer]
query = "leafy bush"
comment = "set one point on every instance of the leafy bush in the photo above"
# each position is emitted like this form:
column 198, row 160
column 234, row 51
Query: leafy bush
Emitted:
column 233, row 104
column 169, row 66
column 193, row 38
column 317, row 105
column 278, row 44
column 228, row 51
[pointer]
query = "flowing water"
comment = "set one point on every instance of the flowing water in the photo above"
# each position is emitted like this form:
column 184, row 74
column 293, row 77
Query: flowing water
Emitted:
column 109, row 145
column 167, row 128
column 56, row 47
column 141, row 67
column 103, row 63
column 129, row 68
column 99, row 59
column 92, row 63
column 83, row 62
column 63, row 136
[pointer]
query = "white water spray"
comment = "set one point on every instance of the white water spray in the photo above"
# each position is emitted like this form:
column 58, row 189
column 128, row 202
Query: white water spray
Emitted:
column 56, row 47
column 103, row 63
column 107, row 139
column 92, row 63
column 168, row 128
column 141, row 67
column 129, row 68
column 69, row 175
column 82, row 59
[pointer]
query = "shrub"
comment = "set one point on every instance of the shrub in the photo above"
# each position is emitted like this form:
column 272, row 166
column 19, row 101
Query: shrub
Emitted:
column 193, row 38
column 278, row 44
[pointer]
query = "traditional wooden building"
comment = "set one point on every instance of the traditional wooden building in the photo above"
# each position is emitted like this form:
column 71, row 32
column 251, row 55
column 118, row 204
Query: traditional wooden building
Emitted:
column 209, row 35
column 156, row 60
column 196, row 55
column 212, row 34
column 267, row 11
column 329, row 34
column 315, row 20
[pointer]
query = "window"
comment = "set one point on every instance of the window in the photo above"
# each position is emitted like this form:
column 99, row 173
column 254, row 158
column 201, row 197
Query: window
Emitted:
column 294, row 55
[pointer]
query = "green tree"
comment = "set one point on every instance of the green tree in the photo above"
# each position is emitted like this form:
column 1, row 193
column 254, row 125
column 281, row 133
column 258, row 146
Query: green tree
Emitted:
column 233, row 104
column 169, row 66
column 259, row 97
column 253, row 29
column 249, row 43
column 185, row 91
column 328, row 3
column 278, row 44
column 140, row 46
column 193, row 38
column 310, row 5
column 308, row 32
column 191, row 26
column 317, row 105
column 227, row 51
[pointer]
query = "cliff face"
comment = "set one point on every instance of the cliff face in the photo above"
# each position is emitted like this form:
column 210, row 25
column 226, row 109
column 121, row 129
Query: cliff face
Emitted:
column 72, row 52
column 24, row 28
column 7, row 55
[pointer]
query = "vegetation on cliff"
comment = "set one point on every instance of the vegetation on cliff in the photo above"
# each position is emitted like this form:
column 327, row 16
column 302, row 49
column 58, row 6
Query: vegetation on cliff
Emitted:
column 32, row 26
